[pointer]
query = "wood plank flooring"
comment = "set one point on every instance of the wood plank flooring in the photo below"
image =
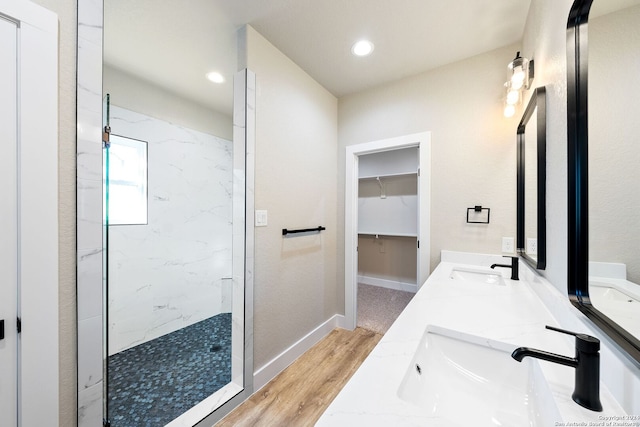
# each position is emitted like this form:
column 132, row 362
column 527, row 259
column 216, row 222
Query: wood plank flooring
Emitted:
column 300, row 394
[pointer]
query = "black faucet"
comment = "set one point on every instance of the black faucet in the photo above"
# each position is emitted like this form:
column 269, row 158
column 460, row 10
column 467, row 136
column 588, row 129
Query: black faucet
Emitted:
column 586, row 363
column 513, row 266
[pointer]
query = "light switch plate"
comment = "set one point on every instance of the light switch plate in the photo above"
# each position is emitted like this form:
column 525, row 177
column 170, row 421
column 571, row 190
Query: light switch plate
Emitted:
column 261, row 218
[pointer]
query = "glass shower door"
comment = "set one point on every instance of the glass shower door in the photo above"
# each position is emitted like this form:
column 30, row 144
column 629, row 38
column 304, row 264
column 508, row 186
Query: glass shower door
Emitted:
column 106, row 130
column 168, row 268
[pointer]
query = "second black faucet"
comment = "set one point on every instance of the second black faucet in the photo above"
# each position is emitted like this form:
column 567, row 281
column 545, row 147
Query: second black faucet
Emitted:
column 513, row 266
column 586, row 363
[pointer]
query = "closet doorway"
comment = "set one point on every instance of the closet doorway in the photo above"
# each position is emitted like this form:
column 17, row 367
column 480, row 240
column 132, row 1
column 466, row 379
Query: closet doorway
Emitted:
column 387, row 198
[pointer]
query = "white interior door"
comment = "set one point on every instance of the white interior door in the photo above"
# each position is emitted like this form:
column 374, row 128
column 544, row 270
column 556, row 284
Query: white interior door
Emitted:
column 8, row 223
column 28, row 214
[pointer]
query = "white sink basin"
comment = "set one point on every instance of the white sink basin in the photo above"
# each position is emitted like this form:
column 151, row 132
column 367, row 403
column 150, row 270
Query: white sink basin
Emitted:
column 605, row 292
column 621, row 306
column 462, row 380
column 479, row 276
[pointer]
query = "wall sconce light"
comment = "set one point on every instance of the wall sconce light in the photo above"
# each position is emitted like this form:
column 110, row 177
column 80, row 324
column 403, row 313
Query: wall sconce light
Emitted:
column 520, row 72
column 512, row 98
column 509, row 110
column 519, row 77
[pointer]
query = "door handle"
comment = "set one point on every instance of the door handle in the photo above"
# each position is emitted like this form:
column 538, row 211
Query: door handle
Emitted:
column 2, row 329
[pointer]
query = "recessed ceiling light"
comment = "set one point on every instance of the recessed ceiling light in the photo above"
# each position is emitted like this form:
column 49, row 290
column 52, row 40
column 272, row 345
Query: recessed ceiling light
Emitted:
column 215, row 77
column 362, row 48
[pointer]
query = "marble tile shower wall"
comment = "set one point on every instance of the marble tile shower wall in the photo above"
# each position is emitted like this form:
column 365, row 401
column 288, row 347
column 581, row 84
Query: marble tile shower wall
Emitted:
column 89, row 213
column 176, row 270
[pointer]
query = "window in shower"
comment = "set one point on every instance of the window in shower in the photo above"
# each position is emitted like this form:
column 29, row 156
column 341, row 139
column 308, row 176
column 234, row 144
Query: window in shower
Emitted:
column 127, row 181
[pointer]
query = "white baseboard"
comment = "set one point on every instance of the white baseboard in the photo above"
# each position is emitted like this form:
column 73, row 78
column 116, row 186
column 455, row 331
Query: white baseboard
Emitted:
column 389, row 284
column 278, row 364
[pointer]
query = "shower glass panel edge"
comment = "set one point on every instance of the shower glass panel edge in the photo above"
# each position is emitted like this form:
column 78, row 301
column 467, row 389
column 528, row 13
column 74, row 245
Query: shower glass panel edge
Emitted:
column 105, row 253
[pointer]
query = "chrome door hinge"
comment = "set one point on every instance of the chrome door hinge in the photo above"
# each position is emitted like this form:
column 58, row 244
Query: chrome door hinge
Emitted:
column 105, row 137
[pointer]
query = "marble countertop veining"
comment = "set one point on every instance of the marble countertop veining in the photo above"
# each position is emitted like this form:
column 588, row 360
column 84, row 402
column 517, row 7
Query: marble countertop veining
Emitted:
column 512, row 314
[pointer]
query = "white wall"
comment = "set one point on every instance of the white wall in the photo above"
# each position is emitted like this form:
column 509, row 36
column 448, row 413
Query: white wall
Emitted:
column 473, row 146
column 545, row 41
column 136, row 94
column 175, row 270
column 67, row 17
column 296, row 167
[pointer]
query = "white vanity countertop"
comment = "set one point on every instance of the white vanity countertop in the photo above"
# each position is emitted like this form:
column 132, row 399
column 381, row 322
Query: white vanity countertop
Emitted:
column 513, row 314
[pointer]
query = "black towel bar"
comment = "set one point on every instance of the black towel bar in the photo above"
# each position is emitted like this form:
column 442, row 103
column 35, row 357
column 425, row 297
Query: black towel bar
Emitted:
column 304, row 230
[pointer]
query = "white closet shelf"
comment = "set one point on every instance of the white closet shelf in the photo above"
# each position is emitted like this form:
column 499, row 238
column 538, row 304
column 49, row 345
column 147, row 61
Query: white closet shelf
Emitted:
column 373, row 233
column 390, row 175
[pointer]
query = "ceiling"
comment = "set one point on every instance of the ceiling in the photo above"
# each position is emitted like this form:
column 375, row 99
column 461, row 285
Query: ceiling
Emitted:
column 174, row 46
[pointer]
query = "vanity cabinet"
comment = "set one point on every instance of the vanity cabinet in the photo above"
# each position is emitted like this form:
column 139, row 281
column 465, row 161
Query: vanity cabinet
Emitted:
column 388, row 218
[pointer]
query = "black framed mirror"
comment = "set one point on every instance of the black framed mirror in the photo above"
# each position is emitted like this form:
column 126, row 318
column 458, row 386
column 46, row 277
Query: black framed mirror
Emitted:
column 602, row 207
column 531, row 183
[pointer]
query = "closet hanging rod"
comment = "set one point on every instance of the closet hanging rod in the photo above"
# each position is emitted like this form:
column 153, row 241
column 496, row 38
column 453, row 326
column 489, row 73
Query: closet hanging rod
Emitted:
column 302, row 230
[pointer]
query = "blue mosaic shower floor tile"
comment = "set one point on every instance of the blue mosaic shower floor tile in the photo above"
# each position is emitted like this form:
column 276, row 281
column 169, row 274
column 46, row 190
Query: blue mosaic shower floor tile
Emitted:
column 151, row 384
